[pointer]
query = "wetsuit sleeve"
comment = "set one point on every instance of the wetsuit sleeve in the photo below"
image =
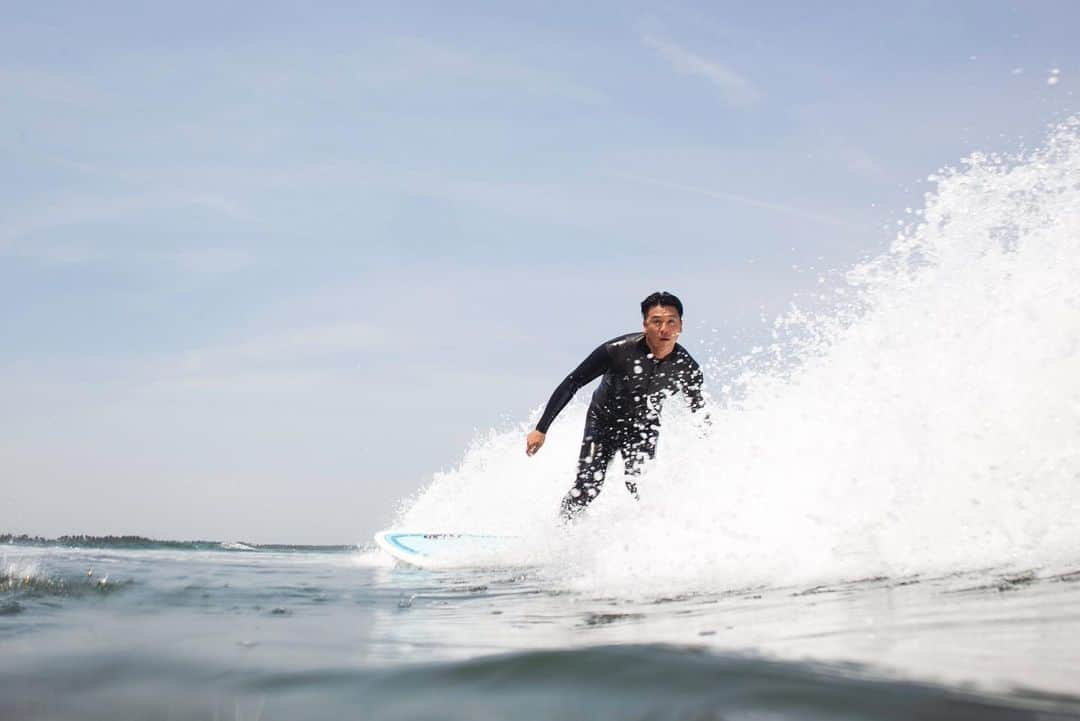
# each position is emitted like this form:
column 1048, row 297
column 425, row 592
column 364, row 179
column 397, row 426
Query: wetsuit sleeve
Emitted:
column 590, row 369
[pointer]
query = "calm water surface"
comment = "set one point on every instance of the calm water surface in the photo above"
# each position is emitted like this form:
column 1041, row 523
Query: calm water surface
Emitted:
column 106, row 633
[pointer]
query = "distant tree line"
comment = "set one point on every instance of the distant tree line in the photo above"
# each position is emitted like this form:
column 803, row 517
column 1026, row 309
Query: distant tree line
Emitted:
column 84, row 541
column 102, row 541
column 24, row 539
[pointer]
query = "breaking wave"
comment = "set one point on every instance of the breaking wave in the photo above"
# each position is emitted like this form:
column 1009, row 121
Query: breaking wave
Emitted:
column 927, row 422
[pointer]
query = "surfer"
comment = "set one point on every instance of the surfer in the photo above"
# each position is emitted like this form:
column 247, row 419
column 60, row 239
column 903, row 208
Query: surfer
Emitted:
column 640, row 370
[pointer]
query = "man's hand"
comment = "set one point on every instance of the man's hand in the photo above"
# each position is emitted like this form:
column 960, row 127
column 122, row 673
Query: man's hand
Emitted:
column 533, row 441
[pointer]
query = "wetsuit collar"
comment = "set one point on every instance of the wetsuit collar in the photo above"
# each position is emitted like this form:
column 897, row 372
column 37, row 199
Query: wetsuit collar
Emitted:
column 643, row 345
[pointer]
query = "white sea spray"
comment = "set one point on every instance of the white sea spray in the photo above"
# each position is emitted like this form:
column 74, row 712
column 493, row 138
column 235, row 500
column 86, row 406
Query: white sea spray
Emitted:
column 927, row 422
column 18, row 572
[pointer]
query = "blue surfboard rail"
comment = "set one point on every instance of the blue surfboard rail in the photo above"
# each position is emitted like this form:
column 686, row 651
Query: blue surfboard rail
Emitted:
column 417, row 548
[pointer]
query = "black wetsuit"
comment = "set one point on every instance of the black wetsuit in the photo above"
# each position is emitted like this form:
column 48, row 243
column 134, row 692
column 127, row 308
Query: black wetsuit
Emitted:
column 624, row 415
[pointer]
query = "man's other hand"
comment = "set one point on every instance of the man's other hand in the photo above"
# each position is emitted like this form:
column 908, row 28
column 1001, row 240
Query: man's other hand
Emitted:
column 533, row 441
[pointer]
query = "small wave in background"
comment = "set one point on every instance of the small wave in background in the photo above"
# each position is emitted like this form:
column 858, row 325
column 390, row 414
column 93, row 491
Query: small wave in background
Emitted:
column 26, row 580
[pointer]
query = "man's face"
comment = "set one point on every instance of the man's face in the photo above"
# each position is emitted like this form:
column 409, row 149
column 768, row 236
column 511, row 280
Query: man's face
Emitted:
column 662, row 328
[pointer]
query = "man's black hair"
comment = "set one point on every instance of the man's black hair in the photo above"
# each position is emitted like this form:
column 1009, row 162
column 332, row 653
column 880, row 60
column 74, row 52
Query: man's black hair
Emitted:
column 660, row 297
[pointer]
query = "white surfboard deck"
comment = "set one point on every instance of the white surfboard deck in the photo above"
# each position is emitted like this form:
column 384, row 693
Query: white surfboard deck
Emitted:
column 447, row 550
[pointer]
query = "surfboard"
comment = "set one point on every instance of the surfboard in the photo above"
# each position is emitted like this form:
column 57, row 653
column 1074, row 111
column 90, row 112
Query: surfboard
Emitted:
column 441, row 550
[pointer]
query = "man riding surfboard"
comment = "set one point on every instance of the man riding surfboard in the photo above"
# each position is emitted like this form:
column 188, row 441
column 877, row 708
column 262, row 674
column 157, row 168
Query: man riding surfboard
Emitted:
column 640, row 370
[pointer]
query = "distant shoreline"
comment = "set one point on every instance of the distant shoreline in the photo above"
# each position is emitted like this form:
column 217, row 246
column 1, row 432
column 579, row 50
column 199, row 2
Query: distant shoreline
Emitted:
column 142, row 542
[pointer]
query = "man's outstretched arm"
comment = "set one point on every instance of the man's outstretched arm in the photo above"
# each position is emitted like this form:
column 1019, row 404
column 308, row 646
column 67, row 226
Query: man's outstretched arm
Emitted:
column 590, row 369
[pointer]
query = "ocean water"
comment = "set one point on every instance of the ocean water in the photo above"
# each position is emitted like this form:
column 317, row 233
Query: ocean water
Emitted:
column 879, row 521
column 117, row 633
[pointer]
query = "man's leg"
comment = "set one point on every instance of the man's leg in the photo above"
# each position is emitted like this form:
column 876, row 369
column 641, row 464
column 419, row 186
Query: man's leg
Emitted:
column 597, row 450
column 636, row 451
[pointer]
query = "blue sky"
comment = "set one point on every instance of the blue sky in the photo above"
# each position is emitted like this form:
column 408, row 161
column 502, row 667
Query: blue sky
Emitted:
column 265, row 267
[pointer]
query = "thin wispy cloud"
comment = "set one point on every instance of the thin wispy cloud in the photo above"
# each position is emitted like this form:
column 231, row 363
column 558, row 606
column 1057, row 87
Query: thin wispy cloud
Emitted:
column 395, row 66
column 737, row 89
column 289, row 345
column 740, row 199
column 29, row 84
column 440, row 63
column 80, row 210
column 280, row 360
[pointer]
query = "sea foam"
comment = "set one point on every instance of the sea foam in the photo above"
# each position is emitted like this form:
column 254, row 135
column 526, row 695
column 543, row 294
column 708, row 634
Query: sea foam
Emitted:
column 927, row 421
